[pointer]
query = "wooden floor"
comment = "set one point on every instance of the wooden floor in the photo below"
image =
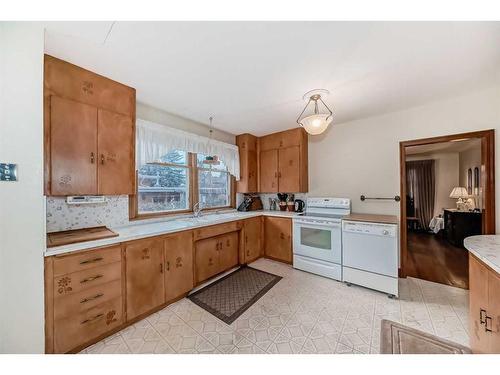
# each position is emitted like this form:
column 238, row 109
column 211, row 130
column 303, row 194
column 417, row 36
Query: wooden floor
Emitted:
column 431, row 257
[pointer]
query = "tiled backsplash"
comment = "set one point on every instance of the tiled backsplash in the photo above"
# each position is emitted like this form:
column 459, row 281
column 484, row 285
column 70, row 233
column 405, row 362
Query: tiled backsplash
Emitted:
column 265, row 198
column 63, row 216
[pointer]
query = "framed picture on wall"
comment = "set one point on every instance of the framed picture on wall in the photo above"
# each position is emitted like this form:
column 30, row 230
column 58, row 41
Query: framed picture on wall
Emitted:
column 469, row 181
column 476, row 181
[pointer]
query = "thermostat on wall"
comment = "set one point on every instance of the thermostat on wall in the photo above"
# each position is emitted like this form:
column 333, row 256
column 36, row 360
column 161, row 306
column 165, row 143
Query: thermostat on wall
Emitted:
column 86, row 199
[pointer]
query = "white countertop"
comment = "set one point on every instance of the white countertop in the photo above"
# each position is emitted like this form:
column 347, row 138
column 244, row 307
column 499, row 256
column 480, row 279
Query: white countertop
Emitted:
column 138, row 229
column 486, row 248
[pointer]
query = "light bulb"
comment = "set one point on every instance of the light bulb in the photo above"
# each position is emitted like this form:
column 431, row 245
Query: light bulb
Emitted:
column 316, row 124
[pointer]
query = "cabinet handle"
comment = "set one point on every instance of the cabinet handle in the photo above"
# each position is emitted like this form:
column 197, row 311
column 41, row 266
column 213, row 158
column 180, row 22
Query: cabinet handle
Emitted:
column 482, row 319
column 91, row 260
column 210, row 262
column 92, row 298
column 279, row 174
column 161, row 267
column 92, row 278
column 92, row 319
column 168, row 265
column 102, row 158
column 282, row 236
column 92, row 158
column 248, row 253
column 487, row 327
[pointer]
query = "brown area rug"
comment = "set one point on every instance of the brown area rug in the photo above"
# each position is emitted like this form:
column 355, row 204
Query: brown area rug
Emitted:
column 396, row 338
column 231, row 295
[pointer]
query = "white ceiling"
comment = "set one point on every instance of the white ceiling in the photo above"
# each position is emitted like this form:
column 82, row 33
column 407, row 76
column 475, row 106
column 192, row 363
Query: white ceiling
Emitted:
column 251, row 75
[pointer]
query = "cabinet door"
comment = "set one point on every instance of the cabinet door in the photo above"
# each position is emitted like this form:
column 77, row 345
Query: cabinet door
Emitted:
column 253, row 240
column 206, row 258
column 228, row 251
column 494, row 311
column 145, row 279
column 73, row 147
column 478, row 306
column 269, row 171
column 252, row 172
column 278, row 238
column 289, row 169
column 178, row 265
column 116, row 153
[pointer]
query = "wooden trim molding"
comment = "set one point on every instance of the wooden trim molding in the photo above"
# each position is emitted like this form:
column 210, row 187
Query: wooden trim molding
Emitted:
column 487, row 138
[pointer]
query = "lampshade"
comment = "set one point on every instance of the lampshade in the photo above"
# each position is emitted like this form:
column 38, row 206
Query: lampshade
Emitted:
column 316, row 124
column 459, row 192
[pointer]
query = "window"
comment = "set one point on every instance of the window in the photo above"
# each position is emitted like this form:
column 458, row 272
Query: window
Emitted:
column 166, row 186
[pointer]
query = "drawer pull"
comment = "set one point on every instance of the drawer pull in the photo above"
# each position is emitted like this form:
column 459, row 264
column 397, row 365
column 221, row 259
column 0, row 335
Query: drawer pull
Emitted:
column 482, row 318
column 92, row 319
column 92, row 298
column 487, row 327
column 92, row 278
column 91, row 260
column 168, row 265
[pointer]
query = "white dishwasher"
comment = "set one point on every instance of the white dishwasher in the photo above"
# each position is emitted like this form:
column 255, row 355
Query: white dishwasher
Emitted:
column 370, row 255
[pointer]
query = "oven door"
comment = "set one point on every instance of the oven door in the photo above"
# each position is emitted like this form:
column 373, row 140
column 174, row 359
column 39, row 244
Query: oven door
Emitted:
column 318, row 240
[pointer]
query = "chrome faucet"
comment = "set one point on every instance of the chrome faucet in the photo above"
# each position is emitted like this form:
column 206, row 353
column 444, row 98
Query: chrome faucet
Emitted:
column 197, row 209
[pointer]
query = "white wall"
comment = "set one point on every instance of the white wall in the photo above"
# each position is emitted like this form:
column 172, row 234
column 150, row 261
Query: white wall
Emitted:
column 22, row 216
column 446, row 171
column 362, row 156
column 153, row 114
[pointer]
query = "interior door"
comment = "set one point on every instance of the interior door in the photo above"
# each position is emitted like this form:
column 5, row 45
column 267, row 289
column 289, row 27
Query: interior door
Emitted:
column 253, row 241
column 145, row 279
column 115, row 146
column 493, row 315
column 478, row 306
column 207, row 258
column 73, row 147
column 278, row 238
column 288, row 169
column 178, row 265
column 228, row 251
column 269, row 171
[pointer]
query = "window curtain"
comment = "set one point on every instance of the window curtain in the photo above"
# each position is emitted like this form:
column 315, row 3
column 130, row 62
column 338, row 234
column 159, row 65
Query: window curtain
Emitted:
column 155, row 140
column 421, row 186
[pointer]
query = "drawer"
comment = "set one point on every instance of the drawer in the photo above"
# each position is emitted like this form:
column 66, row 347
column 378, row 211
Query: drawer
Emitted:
column 77, row 281
column 88, row 259
column 76, row 303
column 216, row 230
column 72, row 331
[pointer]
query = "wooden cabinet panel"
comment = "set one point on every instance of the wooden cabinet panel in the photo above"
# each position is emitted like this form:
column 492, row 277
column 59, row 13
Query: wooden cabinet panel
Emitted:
column 215, row 230
column 178, row 265
column 278, row 238
column 75, row 330
column 144, row 275
column 64, row 264
column 478, row 305
column 228, row 251
column 287, row 138
column 253, row 239
column 116, row 174
column 493, row 312
column 289, row 169
column 73, row 144
column 206, row 258
column 269, row 171
column 247, row 145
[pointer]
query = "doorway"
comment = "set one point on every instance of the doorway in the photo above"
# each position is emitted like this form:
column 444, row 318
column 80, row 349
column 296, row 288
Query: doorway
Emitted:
column 447, row 194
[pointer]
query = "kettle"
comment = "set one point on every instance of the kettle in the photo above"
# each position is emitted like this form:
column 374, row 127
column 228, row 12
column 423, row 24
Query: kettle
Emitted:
column 299, row 205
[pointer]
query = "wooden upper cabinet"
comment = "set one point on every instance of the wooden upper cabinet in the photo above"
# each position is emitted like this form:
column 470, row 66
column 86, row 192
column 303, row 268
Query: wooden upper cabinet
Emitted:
column 144, row 275
column 115, row 145
column 178, row 265
column 269, row 171
column 289, row 169
column 87, row 119
column 287, row 138
column 73, row 144
column 278, row 238
column 247, row 145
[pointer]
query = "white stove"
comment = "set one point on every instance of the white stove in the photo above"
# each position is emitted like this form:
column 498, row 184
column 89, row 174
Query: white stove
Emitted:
column 317, row 236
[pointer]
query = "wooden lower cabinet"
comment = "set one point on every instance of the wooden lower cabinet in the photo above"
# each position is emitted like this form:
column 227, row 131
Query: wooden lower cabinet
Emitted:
column 484, row 307
column 253, row 239
column 178, row 265
column 278, row 238
column 215, row 255
column 144, row 275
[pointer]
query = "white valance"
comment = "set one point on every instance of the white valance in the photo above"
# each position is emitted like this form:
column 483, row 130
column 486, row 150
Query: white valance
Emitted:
column 156, row 140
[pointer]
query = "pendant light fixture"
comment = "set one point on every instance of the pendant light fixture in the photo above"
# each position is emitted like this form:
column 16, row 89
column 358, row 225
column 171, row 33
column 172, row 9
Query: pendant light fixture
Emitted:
column 211, row 159
column 317, row 122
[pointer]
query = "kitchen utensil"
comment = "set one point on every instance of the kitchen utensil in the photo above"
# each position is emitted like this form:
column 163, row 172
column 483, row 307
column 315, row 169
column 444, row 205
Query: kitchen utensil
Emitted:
column 282, row 197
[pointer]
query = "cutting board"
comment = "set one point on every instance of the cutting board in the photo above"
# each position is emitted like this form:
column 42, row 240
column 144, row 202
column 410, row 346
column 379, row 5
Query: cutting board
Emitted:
column 78, row 235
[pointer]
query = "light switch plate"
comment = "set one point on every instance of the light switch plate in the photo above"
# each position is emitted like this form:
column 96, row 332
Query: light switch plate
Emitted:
column 8, row 172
